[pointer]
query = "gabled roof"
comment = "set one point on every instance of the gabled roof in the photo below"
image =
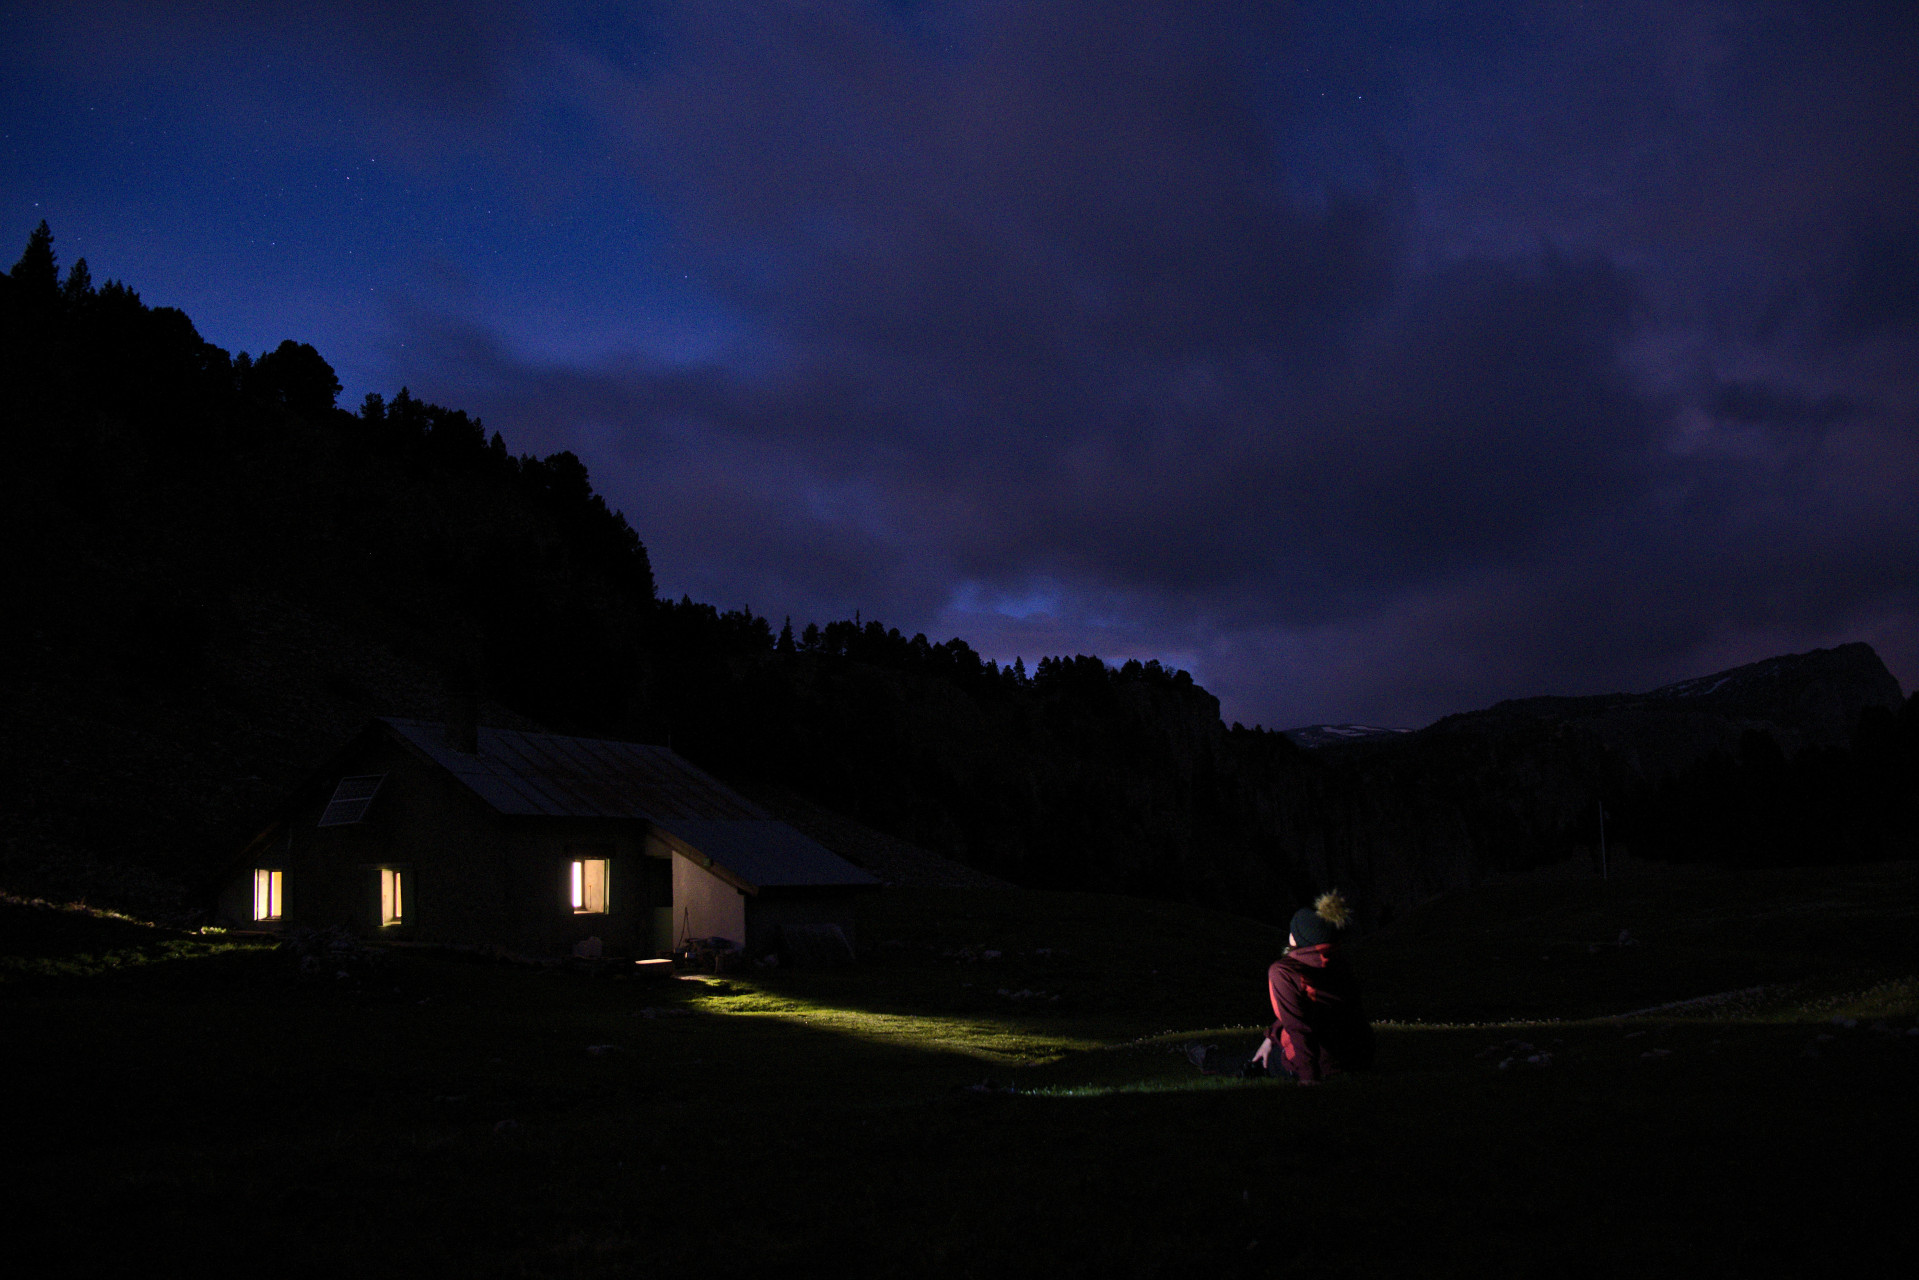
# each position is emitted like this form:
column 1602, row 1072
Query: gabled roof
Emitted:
column 520, row 774
column 545, row 774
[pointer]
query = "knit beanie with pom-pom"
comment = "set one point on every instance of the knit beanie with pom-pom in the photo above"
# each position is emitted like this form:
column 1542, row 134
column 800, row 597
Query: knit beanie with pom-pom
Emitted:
column 1322, row 921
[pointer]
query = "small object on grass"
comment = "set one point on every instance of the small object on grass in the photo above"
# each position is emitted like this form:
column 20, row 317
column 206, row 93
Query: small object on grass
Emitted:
column 986, row 1086
column 814, row 946
column 1841, row 1021
column 597, row 1049
column 1652, row 1054
column 507, row 1129
column 1212, row 1062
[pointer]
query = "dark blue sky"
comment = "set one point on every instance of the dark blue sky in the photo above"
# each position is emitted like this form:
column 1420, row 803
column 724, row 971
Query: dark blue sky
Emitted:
column 1370, row 360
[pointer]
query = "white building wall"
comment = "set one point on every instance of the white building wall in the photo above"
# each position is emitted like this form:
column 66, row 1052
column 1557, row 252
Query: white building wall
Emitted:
column 705, row 906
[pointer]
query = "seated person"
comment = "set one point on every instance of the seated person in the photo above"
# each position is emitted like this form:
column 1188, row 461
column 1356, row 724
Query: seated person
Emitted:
column 1321, row 1028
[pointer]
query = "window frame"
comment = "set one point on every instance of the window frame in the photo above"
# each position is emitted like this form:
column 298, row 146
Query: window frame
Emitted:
column 269, row 895
column 396, row 889
column 353, row 796
column 590, row 894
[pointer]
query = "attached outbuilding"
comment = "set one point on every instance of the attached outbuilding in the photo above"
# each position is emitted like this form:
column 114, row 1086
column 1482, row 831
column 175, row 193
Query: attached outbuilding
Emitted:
column 427, row 832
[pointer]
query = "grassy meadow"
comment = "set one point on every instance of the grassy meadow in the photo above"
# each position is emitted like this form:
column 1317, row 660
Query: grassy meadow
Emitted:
column 997, row 1088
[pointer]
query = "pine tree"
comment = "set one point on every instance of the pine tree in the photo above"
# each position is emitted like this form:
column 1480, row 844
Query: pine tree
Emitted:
column 38, row 271
column 78, row 289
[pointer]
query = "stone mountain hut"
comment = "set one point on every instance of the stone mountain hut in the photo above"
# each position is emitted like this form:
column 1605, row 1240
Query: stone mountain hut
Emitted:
column 426, row 832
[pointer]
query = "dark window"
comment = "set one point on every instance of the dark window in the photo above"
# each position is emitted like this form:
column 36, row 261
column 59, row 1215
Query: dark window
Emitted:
column 351, row 799
column 655, row 888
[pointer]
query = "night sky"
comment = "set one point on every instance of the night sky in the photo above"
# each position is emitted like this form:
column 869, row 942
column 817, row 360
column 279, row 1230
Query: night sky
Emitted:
column 1372, row 361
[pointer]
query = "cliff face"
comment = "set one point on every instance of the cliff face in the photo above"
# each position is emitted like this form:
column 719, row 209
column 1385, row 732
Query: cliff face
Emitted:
column 1805, row 699
column 1799, row 700
column 1520, row 784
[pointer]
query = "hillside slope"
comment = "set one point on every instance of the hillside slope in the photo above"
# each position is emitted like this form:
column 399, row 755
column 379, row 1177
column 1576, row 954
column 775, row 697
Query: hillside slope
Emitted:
column 219, row 574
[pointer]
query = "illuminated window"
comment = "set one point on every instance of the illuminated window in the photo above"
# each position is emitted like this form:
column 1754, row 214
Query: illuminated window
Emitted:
column 392, row 896
column 351, row 799
column 266, row 894
column 589, row 886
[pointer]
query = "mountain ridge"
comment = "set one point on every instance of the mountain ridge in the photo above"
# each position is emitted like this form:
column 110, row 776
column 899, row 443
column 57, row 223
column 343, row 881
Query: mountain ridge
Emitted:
column 219, row 573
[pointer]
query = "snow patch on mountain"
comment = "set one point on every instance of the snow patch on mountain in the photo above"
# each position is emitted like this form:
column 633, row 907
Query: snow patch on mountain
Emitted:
column 1320, row 735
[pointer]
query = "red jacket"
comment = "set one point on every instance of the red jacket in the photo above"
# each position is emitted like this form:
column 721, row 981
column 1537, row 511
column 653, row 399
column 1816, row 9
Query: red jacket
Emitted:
column 1321, row 1027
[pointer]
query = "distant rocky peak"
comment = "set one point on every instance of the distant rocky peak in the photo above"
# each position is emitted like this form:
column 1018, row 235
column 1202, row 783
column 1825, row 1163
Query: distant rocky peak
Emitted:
column 1322, row 735
column 1820, row 693
column 1854, row 663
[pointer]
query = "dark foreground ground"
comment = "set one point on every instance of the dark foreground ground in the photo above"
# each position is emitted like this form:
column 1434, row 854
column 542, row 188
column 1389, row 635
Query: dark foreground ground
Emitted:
column 197, row 1103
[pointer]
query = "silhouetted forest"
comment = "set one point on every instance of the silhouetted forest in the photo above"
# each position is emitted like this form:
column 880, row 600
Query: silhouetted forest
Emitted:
column 1758, row 807
column 219, row 570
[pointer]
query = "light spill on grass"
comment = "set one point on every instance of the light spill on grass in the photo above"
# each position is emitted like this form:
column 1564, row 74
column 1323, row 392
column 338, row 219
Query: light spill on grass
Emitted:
column 90, row 964
column 1896, row 999
column 854, row 1118
column 996, row 1042
column 1198, row 1084
column 1104, row 1065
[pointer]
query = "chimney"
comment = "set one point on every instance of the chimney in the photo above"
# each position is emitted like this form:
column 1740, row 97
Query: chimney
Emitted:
column 463, row 718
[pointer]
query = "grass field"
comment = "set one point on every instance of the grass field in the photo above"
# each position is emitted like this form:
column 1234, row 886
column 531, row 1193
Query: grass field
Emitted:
column 199, row 1101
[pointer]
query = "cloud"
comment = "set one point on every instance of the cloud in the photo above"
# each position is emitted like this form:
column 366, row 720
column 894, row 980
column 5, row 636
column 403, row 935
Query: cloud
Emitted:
column 1371, row 363
column 1754, row 401
column 1040, row 341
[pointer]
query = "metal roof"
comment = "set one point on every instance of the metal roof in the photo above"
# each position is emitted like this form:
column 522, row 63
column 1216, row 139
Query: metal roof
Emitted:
column 767, row 853
column 547, row 775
